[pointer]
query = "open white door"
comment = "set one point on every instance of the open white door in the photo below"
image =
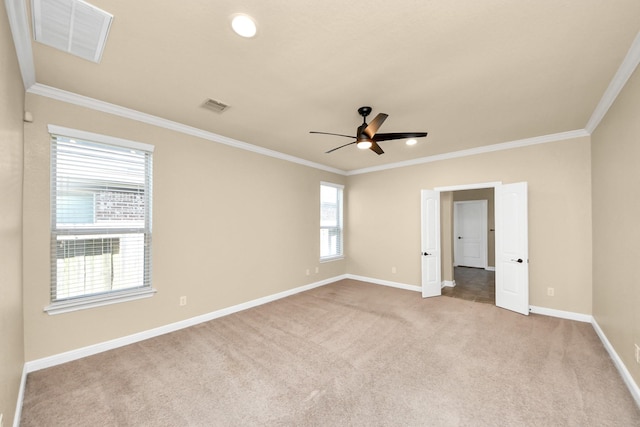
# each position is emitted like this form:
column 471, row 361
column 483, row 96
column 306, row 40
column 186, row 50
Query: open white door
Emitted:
column 430, row 254
column 512, row 253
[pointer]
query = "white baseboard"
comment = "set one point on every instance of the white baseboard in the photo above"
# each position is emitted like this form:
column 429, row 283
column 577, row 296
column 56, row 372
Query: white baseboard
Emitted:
column 490, row 268
column 69, row 356
column 58, row 359
column 23, row 384
column 624, row 372
column 385, row 282
column 448, row 284
column 570, row 315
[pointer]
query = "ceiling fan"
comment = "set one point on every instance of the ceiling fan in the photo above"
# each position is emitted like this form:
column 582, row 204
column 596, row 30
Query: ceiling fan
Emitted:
column 367, row 136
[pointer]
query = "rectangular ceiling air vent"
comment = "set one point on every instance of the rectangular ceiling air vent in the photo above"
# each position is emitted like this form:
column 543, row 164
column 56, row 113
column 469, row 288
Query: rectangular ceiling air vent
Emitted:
column 214, row 105
column 73, row 26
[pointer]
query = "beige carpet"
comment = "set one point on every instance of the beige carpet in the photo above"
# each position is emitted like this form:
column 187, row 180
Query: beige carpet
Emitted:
column 348, row 353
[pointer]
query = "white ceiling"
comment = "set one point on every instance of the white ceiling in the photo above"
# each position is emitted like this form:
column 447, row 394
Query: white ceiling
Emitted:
column 469, row 72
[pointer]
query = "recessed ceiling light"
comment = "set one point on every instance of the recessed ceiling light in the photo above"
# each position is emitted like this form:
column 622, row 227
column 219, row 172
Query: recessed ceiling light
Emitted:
column 243, row 25
column 411, row 141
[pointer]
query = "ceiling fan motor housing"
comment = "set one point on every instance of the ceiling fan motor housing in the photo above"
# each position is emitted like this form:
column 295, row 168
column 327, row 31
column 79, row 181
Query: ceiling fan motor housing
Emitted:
column 364, row 111
column 360, row 135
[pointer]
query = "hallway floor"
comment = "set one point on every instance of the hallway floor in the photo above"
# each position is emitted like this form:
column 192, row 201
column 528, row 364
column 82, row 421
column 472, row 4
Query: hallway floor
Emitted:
column 473, row 284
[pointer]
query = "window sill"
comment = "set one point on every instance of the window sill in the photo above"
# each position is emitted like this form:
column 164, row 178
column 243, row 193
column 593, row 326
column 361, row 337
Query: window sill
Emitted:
column 334, row 258
column 98, row 300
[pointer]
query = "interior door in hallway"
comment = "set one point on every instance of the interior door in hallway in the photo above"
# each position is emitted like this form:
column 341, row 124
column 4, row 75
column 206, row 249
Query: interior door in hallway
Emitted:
column 470, row 233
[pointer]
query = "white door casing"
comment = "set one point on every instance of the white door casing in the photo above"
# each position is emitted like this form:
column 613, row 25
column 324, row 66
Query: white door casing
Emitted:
column 430, row 243
column 512, row 253
column 470, row 233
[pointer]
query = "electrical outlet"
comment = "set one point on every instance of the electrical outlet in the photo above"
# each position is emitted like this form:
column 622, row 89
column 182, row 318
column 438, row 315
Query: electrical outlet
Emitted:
column 183, row 300
column 393, row 270
column 317, row 270
column 550, row 292
column 637, row 353
column 308, row 272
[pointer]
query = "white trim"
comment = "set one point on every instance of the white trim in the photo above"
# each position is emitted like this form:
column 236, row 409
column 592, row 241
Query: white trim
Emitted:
column 57, row 359
column 105, row 107
column 626, row 69
column 478, row 186
column 448, row 284
column 587, row 318
column 17, row 13
column 332, row 184
column 384, row 283
column 331, row 258
column 624, row 372
column 20, row 400
column 555, row 137
column 489, row 268
column 99, row 300
column 96, row 137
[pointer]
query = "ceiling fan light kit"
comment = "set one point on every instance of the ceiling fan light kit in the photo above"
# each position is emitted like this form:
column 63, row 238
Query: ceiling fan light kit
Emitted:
column 367, row 136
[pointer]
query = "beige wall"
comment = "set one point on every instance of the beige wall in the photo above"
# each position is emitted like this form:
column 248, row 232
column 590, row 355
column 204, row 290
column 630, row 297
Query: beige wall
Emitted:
column 229, row 226
column 616, row 231
column 384, row 216
column 11, row 128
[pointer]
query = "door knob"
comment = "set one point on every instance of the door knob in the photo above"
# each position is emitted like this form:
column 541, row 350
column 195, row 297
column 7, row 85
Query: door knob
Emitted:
column 459, row 237
column 425, row 254
column 519, row 260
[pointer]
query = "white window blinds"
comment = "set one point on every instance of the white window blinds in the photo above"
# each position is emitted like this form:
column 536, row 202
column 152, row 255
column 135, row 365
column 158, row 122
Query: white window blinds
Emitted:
column 100, row 217
column 330, row 221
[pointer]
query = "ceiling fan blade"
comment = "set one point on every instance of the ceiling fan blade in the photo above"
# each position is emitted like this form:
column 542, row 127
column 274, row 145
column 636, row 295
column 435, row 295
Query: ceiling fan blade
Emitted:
column 337, row 148
column 375, row 124
column 334, row 134
column 399, row 135
column 376, row 148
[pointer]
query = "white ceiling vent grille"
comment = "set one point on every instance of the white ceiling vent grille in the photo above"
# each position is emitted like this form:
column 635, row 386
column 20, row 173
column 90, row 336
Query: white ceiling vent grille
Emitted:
column 214, row 105
column 72, row 26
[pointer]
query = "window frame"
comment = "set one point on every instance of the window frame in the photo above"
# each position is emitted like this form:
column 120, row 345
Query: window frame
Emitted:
column 111, row 296
column 339, row 228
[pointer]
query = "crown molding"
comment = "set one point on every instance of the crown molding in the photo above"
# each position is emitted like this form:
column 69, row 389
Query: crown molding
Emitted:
column 478, row 150
column 17, row 14
column 626, row 69
column 105, row 107
column 18, row 21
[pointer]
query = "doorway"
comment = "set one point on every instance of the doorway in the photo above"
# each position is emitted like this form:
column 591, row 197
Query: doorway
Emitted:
column 511, row 243
column 472, row 240
column 472, row 284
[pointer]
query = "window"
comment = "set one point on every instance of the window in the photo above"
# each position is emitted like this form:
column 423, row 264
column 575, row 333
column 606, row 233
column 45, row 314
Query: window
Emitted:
column 100, row 220
column 330, row 221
